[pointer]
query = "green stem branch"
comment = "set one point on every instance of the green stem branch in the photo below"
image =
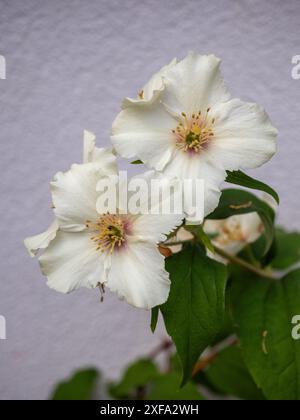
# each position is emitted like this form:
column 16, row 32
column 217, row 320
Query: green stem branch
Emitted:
column 232, row 258
column 242, row 263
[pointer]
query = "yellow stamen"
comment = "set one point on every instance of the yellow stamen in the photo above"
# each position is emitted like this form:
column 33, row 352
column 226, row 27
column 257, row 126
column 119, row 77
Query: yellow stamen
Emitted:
column 194, row 133
column 109, row 232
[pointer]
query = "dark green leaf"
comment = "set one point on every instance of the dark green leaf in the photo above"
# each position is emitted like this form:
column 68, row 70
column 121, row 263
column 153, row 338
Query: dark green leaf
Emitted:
column 258, row 250
column 195, row 309
column 229, row 375
column 288, row 249
column 79, row 387
column 235, row 202
column 137, row 162
column 154, row 318
column 227, row 327
column 137, row 375
column 167, row 387
column 240, row 178
column 263, row 312
column 175, row 364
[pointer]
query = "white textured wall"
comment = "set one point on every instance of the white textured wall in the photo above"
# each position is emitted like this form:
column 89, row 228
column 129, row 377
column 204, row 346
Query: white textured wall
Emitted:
column 69, row 64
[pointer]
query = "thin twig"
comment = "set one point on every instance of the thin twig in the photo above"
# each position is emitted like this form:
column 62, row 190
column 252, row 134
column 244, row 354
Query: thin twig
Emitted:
column 213, row 354
column 232, row 258
column 164, row 346
column 242, row 263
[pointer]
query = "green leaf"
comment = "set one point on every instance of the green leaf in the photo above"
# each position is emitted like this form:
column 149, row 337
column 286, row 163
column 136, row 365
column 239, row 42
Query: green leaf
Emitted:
column 201, row 236
column 235, row 202
column 137, row 375
column 263, row 312
column 137, row 162
column 229, row 375
column 166, row 387
column 288, row 249
column 154, row 318
column 240, row 178
column 175, row 364
column 258, row 250
column 195, row 309
column 227, row 327
column 79, row 387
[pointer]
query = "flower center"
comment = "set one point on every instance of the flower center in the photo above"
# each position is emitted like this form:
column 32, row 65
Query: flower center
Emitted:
column 110, row 232
column 193, row 134
column 231, row 232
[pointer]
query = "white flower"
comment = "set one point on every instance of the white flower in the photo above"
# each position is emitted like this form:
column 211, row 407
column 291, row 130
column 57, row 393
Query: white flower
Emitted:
column 91, row 248
column 193, row 129
column 231, row 235
column 91, row 154
column 235, row 233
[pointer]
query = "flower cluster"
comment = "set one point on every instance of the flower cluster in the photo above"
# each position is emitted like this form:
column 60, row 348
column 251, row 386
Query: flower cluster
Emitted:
column 183, row 124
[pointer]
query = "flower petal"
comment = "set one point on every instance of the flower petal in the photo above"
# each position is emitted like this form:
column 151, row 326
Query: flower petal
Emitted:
column 41, row 241
column 151, row 89
column 252, row 227
column 71, row 261
column 138, row 275
column 103, row 156
column 156, row 227
column 248, row 225
column 186, row 166
column 153, row 212
column 244, row 136
column 74, row 196
column 145, row 133
column 160, row 219
column 213, row 227
column 194, row 84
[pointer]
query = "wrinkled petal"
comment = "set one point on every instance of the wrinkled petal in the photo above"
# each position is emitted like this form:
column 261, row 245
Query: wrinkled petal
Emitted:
column 153, row 211
column 194, row 84
column 74, row 196
column 71, row 261
column 154, row 227
column 138, row 275
column 41, row 241
column 145, row 133
column 186, row 166
column 151, row 89
column 103, row 156
column 159, row 219
column 244, row 136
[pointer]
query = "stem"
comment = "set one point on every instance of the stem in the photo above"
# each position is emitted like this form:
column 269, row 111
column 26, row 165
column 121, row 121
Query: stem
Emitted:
column 213, row 354
column 232, row 258
column 163, row 347
column 242, row 263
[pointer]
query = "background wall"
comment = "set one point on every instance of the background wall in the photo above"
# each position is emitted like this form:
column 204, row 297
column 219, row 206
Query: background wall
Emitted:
column 69, row 64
